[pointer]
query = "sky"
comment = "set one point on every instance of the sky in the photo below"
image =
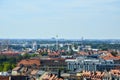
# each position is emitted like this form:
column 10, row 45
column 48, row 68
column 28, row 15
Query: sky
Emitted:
column 69, row 19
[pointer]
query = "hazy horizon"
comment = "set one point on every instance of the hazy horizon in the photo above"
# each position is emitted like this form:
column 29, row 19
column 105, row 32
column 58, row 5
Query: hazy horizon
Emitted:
column 69, row 19
column 59, row 38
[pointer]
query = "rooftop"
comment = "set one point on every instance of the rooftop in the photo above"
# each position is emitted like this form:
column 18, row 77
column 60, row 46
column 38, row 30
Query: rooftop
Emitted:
column 16, row 68
column 29, row 62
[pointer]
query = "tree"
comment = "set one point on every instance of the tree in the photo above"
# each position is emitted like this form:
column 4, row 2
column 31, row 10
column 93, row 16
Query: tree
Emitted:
column 11, row 59
column 114, row 53
column 13, row 66
column 44, row 53
column 1, row 67
column 26, row 56
column 2, row 58
column 33, row 55
column 7, row 66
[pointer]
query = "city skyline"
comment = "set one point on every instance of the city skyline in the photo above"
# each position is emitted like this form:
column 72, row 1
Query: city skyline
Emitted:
column 69, row 19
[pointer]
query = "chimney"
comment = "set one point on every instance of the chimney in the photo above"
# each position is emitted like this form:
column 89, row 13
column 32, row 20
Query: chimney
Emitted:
column 59, row 73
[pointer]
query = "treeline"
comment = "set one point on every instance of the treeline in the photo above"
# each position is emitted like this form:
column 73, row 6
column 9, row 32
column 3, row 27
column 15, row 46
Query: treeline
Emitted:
column 102, row 45
column 106, row 46
column 9, row 62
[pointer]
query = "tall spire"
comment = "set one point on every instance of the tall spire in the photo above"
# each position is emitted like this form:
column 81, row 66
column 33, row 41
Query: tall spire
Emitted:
column 56, row 42
column 34, row 46
column 82, row 40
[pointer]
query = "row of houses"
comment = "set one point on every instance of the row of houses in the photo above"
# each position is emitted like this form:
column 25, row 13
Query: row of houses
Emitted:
column 90, row 64
column 84, row 75
column 91, row 75
column 77, row 64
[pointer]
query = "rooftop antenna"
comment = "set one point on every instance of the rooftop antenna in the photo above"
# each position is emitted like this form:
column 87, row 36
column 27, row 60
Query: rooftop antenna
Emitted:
column 82, row 40
column 0, row 46
column 7, row 44
column 56, row 42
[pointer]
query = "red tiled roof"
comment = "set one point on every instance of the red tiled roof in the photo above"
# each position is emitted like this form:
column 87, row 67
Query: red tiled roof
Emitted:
column 109, row 56
column 4, row 77
column 10, row 52
column 34, row 72
column 29, row 62
column 51, row 77
column 54, row 59
column 16, row 68
column 115, row 72
column 83, row 53
column 96, row 75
